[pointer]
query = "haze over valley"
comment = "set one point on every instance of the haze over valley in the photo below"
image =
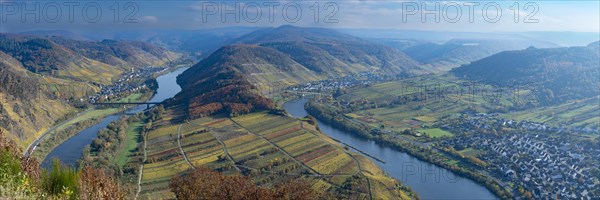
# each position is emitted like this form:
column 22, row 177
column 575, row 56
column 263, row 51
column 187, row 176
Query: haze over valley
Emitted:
column 179, row 101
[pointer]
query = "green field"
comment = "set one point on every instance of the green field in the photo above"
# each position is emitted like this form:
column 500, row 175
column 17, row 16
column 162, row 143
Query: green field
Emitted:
column 133, row 130
column 420, row 102
column 470, row 152
column 436, row 132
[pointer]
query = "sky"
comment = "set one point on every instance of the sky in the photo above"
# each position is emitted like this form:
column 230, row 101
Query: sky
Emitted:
column 458, row 16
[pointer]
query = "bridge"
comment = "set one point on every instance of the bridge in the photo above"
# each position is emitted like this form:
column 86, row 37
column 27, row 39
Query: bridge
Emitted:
column 128, row 103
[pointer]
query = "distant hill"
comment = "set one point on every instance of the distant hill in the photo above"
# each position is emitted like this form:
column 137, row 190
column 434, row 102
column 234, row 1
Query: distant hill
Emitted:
column 199, row 43
column 560, row 73
column 281, row 57
column 41, row 78
column 319, row 49
column 60, row 33
column 561, row 38
column 457, row 52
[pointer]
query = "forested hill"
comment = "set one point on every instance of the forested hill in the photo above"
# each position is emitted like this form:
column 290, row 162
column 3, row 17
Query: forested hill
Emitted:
column 561, row 74
column 95, row 61
column 220, row 83
column 231, row 79
column 463, row 51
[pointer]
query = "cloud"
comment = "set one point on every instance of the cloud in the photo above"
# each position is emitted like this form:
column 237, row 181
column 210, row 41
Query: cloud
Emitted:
column 148, row 19
column 196, row 6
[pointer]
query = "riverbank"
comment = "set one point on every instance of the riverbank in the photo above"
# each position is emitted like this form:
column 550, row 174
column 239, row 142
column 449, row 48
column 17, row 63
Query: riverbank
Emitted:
column 154, row 92
column 71, row 127
column 422, row 153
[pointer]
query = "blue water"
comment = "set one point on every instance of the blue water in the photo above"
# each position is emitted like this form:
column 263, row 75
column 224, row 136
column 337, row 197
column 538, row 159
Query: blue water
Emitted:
column 427, row 180
column 70, row 151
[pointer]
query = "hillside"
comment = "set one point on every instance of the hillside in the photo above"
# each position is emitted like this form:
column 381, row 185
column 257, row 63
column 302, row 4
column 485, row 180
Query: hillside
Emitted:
column 280, row 57
column 268, row 149
column 558, row 74
column 218, row 84
column 41, row 78
column 26, row 104
column 462, row 51
column 94, row 61
column 317, row 48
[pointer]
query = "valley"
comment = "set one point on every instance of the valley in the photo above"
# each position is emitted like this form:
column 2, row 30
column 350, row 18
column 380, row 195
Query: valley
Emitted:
column 49, row 79
column 467, row 127
column 257, row 111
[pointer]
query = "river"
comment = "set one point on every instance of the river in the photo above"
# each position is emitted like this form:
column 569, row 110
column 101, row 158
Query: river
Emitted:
column 427, row 180
column 70, row 151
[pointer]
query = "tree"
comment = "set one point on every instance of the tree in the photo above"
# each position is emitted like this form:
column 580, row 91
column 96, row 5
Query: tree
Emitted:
column 204, row 183
column 295, row 189
column 95, row 184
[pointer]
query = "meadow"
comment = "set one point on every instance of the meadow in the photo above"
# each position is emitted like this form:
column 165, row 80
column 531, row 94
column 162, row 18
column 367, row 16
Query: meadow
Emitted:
column 436, row 132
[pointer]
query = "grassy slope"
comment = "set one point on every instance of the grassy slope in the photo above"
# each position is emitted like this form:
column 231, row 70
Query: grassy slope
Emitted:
column 133, row 130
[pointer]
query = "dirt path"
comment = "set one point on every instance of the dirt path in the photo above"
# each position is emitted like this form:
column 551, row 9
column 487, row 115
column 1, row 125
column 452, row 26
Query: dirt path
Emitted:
column 139, row 183
column 181, row 149
column 278, row 147
column 316, row 173
column 229, row 157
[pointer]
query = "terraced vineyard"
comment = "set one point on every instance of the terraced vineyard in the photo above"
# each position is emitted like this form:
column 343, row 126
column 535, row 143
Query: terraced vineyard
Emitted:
column 580, row 113
column 269, row 148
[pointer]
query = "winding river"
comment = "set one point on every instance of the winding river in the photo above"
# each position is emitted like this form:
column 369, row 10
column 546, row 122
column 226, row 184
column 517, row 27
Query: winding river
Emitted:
column 427, row 180
column 70, row 151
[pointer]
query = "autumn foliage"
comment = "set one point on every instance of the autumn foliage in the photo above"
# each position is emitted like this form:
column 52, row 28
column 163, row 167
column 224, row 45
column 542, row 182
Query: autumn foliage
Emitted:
column 21, row 178
column 95, row 184
column 30, row 166
column 204, row 183
column 221, row 89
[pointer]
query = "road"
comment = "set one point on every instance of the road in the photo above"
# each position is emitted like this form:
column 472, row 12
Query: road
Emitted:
column 36, row 142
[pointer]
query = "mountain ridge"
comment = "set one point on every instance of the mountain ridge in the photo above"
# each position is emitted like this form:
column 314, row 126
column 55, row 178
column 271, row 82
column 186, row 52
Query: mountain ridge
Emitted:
column 560, row 74
column 281, row 57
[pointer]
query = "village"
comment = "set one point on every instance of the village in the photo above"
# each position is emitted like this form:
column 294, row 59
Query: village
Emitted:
column 546, row 161
column 359, row 79
column 131, row 81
